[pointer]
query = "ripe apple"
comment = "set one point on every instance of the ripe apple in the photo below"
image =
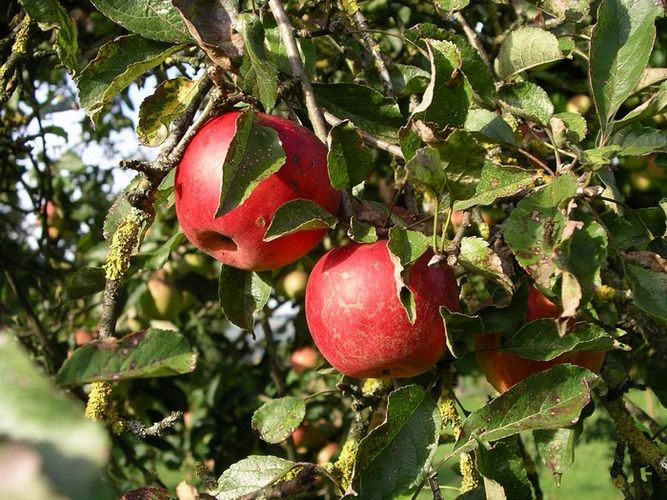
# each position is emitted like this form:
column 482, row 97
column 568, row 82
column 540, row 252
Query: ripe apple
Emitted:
column 357, row 321
column 304, row 358
column 308, row 436
column 235, row 238
column 327, row 452
column 503, row 370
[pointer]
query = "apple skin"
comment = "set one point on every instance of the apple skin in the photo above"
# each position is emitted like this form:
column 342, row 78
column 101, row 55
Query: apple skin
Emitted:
column 357, row 321
column 503, row 370
column 236, row 237
column 303, row 359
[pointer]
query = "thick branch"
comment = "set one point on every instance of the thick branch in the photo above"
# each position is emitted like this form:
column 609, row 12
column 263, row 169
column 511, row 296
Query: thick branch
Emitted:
column 287, row 37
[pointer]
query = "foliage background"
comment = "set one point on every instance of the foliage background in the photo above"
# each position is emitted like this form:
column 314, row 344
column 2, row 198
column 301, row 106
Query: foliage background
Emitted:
column 51, row 279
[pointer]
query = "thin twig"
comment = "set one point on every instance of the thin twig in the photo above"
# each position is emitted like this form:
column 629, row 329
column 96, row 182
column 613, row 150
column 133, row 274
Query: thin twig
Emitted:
column 287, row 36
column 472, row 38
column 371, row 45
column 368, row 138
column 435, row 487
column 536, row 160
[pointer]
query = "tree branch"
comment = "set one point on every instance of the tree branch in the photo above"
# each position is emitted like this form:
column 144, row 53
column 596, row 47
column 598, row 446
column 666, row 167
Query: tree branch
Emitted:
column 287, row 37
column 474, row 41
column 368, row 138
column 371, row 45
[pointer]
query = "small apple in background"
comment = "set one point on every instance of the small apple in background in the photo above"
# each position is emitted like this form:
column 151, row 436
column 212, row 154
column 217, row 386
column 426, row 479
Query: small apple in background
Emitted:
column 357, row 321
column 236, row 238
column 503, row 370
column 579, row 103
column 305, row 358
column 55, row 219
column 327, row 452
column 293, row 285
column 163, row 300
column 82, row 336
column 307, row 437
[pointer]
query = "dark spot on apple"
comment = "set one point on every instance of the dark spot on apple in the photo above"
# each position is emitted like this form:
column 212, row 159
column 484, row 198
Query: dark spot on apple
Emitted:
column 386, row 372
column 215, row 241
column 261, row 221
column 295, row 158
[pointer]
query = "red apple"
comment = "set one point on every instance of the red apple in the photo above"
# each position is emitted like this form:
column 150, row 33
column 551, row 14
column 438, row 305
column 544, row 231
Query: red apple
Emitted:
column 304, row 358
column 327, row 452
column 236, row 237
column 307, row 437
column 358, row 322
column 503, row 370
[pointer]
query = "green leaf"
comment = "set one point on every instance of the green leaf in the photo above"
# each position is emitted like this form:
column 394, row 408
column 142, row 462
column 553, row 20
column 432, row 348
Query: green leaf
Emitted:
column 170, row 100
column 259, row 73
column 476, row 256
column 298, row 215
column 85, row 281
column 526, row 48
column 534, row 228
column 568, row 127
column 637, row 140
column 527, row 100
column 49, row 15
column 540, row 340
column 349, row 161
column 153, row 19
column 556, row 448
column 275, row 420
column 549, row 399
column 149, row 354
column 254, row 154
column 463, row 157
column 448, row 96
column 506, row 319
column 654, row 105
column 211, row 24
column 250, row 475
column 621, row 44
column 51, row 427
column 426, row 171
column 447, row 6
column 497, row 182
column 117, row 64
column 503, row 463
column 491, row 126
column 589, row 239
column 157, row 258
column 361, row 232
column 279, row 56
column 242, row 293
column 472, row 65
column 571, row 9
column 649, row 289
column 405, row 247
column 397, row 455
column 461, row 330
column 365, row 107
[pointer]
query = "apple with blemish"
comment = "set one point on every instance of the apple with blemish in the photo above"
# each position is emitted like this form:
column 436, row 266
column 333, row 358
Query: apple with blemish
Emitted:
column 236, row 238
column 358, row 322
column 503, row 369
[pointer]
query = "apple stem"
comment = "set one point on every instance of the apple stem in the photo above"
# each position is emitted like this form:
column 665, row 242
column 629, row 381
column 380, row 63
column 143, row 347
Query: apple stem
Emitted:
column 287, row 36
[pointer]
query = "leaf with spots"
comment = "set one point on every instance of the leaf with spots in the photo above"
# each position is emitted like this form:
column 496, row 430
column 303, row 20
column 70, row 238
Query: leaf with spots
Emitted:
column 250, row 475
column 147, row 354
column 534, row 228
column 397, row 455
column 503, row 463
column 242, row 293
column 349, row 161
column 254, row 153
column 550, row 399
column 298, row 215
column 556, row 448
column 478, row 257
column 276, row 419
column 497, row 182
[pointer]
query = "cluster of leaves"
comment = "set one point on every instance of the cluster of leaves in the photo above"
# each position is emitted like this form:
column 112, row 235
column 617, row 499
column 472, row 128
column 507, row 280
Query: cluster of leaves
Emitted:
column 544, row 126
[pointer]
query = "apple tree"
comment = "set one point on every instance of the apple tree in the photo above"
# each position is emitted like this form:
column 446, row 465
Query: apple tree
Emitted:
column 373, row 249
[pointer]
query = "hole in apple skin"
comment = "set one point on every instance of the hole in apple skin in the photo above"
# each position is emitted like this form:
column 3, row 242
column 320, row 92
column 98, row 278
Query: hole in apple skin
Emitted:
column 216, row 242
